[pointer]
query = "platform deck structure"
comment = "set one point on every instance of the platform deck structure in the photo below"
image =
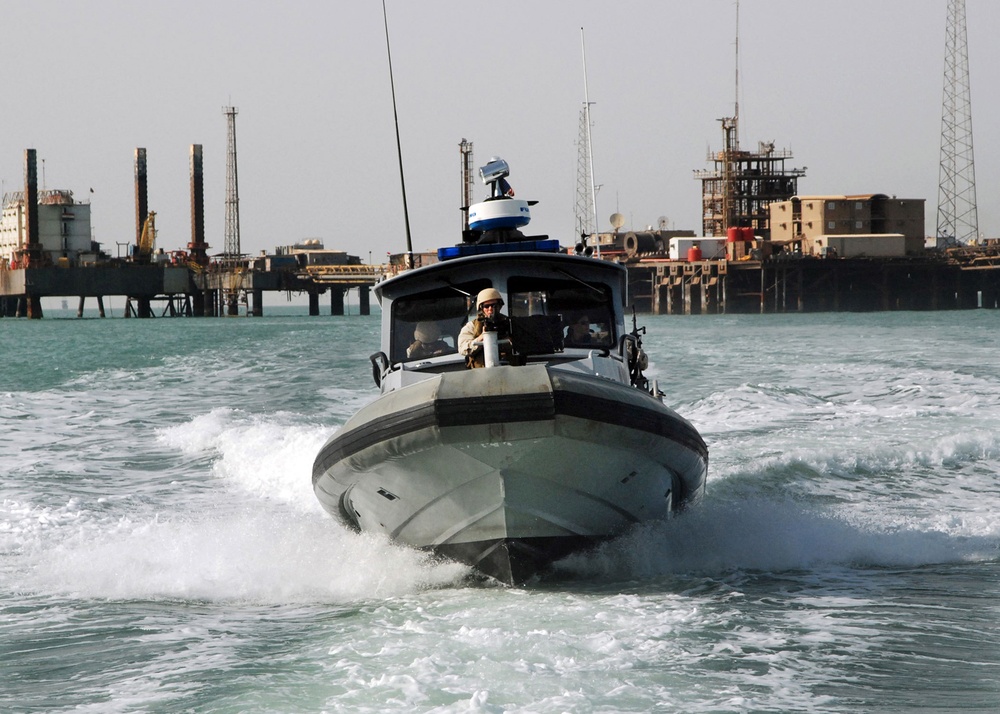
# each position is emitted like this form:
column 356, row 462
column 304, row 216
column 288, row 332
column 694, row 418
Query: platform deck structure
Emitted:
column 814, row 285
column 656, row 286
column 169, row 290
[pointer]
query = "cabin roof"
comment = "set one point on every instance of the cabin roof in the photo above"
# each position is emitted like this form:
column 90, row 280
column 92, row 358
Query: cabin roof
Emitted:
column 502, row 263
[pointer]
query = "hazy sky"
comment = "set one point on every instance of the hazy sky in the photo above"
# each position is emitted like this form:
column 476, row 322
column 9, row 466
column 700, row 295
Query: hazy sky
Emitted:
column 852, row 87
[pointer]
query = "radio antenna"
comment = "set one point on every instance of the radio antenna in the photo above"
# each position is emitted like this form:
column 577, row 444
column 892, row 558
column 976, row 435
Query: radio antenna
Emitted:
column 736, row 104
column 399, row 148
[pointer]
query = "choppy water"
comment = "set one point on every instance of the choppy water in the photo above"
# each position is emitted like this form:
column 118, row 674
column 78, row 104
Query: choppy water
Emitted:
column 161, row 549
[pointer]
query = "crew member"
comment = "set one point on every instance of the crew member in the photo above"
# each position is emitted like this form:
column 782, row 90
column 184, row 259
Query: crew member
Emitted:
column 579, row 334
column 488, row 317
column 427, row 341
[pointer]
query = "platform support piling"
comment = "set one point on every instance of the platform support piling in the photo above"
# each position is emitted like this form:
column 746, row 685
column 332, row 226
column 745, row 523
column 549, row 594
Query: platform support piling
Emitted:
column 364, row 300
column 336, row 301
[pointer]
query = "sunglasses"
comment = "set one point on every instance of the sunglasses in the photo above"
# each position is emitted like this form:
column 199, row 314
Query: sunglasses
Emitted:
column 488, row 305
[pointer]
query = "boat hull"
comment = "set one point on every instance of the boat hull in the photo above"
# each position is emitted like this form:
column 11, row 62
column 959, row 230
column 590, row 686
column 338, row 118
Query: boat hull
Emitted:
column 511, row 468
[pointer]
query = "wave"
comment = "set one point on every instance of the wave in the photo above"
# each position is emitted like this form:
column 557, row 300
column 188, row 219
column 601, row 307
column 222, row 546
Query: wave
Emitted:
column 269, row 456
column 763, row 534
column 267, row 556
column 241, row 523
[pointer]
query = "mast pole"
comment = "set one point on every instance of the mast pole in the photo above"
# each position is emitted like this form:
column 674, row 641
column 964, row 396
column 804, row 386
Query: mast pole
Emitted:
column 399, row 148
column 736, row 104
column 590, row 145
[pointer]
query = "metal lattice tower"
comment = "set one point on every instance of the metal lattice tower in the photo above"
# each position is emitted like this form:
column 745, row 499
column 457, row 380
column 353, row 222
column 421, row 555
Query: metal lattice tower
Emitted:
column 465, row 151
column 232, row 250
column 957, row 219
column 585, row 209
column 586, row 189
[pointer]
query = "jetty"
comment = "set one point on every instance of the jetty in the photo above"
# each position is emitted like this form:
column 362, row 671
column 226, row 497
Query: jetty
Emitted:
column 46, row 250
column 952, row 280
column 788, row 253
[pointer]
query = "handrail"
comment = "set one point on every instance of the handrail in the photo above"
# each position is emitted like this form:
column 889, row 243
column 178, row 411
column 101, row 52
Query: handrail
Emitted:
column 380, row 366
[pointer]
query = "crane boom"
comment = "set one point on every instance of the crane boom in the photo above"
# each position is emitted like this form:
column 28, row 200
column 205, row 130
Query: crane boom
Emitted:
column 147, row 238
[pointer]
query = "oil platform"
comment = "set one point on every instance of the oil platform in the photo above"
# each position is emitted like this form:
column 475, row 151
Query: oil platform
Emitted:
column 736, row 193
column 767, row 248
column 46, row 250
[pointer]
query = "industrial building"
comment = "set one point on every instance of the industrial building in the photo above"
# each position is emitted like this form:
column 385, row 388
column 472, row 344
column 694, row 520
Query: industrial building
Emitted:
column 63, row 229
column 742, row 184
column 873, row 225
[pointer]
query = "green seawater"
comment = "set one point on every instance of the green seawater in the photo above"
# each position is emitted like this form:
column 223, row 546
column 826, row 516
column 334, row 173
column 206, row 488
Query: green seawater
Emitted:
column 161, row 549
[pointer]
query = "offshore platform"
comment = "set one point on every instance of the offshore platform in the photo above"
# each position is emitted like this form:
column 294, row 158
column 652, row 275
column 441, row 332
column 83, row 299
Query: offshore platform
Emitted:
column 767, row 248
column 46, row 250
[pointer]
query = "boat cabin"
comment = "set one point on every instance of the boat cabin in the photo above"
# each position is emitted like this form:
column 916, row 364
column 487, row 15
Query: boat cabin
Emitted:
column 561, row 307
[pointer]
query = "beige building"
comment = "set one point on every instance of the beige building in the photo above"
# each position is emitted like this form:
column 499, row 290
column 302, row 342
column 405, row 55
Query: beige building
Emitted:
column 63, row 228
column 872, row 224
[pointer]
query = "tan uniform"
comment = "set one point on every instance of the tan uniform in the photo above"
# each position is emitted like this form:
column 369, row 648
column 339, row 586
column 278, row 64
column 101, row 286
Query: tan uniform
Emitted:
column 472, row 350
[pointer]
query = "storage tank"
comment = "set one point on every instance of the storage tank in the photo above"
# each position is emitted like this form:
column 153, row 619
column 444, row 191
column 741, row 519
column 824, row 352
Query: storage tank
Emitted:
column 636, row 243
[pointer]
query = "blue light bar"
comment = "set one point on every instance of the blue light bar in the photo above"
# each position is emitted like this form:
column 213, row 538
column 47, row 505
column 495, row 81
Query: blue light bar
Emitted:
column 460, row 251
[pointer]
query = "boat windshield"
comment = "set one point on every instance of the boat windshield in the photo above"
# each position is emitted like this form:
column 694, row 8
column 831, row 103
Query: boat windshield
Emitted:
column 427, row 324
column 580, row 314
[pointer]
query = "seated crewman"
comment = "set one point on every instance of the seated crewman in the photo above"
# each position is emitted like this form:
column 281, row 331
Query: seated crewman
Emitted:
column 427, row 341
column 579, row 334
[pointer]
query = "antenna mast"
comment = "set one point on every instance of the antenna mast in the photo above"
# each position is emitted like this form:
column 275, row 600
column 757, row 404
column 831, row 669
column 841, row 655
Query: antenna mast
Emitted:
column 586, row 198
column 399, row 147
column 584, row 207
column 465, row 151
column 957, row 219
column 736, row 104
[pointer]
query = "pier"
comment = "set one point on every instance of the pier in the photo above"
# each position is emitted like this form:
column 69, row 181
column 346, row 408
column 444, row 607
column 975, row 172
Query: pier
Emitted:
column 813, row 254
column 46, row 250
column 182, row 291
column 777, row 285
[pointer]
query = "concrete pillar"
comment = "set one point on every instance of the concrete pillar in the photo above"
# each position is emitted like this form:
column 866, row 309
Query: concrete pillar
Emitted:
column 8, row 306
column 692, row 296
column 313, row 303
column 663, row 298
column 364, row 300
column 336, row 301
column 34, row 307
column 257, row 309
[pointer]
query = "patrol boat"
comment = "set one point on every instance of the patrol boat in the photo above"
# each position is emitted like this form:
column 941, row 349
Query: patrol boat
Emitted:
column 560, row 442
